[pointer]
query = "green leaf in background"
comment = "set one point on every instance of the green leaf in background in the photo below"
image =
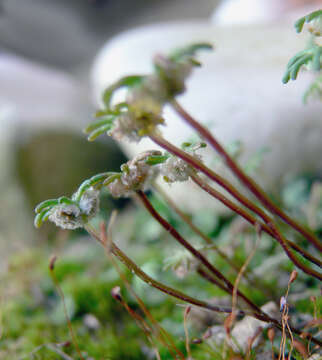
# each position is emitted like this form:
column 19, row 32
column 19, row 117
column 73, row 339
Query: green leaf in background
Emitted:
column 57, row 316
column 315, row 15
column 127, row 81
column 205, row 220
column 296, row 193
column 189, row 51
column 255, row 161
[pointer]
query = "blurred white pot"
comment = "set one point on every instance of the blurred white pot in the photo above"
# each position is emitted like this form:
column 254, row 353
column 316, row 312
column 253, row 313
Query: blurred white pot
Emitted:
column 238, row 93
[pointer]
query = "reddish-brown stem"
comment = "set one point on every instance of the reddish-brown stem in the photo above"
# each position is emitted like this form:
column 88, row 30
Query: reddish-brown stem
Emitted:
column 244, row 179
column 61, row 294
column 205, row 262
column 251, row 219
column 197, row 254
column 194, row 228
column 269, row 227
column 207, row 239
column 195, row 163
column 229, row 188
column 175, row 293
column 116, row 251
column 242, row 270
column 178, row 294
column 162, row 335
column 211, row 279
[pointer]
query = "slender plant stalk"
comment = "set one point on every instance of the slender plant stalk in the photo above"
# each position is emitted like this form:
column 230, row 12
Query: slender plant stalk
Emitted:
column 269, row 228
column 211, row 279
column 195, row 163
column 166, row 289
column 186, row 331
column 61, row 294
column 236, row 194
column 197, row 254
column 198, row 165
column 156, row 284
column 193, row 227
column 250, row 218
column 203, row 273
column 51, row 347
column 258, row 312
column 244, row 179
column 163, row 336
column 242, row 271
column 178, row 294
column 280, row 238
column 206, row 238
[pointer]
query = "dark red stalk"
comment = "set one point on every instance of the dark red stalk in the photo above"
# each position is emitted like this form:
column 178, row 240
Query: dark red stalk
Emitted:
column 194, row 228
column 211, row 279
column 244, row 179
column 198, row 255
column 207, row 239
column 250, row 218
column 156, row 284
column 195, row 163
column 177, row 294
column 228, row 187
column 269, row 228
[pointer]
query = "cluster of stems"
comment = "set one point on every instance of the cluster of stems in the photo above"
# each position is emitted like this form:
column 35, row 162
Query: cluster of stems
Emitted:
column 135, row 269
column 134, row 120
column 250, row 211
column 247, row 209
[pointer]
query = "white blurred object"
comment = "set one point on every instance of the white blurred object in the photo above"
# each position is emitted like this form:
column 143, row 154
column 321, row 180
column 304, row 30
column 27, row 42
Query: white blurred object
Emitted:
column 237, row 93
column 242, row 12
column 248, row 327
column 237, row 12
column 39, row 95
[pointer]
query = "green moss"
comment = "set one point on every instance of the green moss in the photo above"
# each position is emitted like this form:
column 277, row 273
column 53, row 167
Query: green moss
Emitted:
column 33, row 314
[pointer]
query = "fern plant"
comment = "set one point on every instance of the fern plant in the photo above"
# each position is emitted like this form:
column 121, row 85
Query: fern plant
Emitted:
column 309, row 58
column 140, row 115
